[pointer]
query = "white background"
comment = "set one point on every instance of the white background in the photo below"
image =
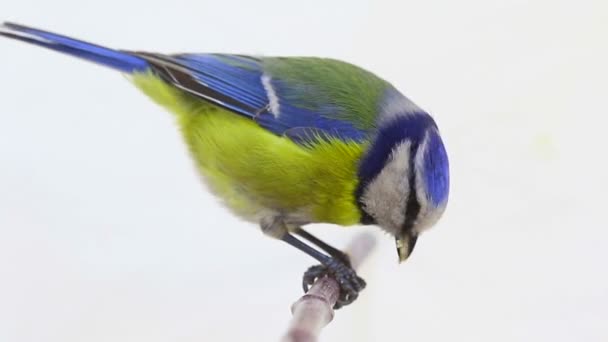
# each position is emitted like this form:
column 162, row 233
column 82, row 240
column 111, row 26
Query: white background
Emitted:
column 106, row 233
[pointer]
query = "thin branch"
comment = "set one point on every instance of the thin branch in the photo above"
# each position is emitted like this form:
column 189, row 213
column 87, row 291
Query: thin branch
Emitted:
column 313, row 311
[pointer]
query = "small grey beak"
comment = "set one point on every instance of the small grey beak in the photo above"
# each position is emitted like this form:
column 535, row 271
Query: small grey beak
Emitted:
column 405, row 245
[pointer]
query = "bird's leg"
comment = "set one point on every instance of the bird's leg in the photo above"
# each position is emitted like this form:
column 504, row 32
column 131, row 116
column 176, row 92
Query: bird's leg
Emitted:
column 350, row 283
column 336, row 263
column 332, row 251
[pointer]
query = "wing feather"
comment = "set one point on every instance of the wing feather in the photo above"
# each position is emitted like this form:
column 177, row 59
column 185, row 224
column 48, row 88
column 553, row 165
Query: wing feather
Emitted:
column 287, row 104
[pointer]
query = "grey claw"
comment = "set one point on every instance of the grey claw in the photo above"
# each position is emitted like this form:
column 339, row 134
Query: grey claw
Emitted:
column 350, row 283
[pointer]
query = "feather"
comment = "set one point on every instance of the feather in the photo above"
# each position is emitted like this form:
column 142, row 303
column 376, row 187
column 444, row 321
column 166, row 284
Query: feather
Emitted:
column 281, row 94
column 119, row 60
column 436, row 169
column 277, row 101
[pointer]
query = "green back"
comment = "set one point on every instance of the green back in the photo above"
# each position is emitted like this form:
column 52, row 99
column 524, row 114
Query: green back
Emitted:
column 330, row 87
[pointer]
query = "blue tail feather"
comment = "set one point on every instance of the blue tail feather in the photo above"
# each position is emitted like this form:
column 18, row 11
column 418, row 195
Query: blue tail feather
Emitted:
column 118, row 60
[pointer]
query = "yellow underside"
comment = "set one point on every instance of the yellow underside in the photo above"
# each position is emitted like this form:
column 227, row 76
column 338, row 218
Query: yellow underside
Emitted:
column 255, row 171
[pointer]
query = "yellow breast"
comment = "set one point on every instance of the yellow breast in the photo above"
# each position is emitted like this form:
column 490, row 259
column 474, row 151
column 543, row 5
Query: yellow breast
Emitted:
column 256, row 172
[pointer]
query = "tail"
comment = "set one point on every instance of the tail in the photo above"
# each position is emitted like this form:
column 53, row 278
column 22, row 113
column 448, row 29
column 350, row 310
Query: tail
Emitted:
column 119, row 60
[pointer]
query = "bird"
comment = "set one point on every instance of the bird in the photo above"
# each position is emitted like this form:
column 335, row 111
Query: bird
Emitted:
column 286, row 142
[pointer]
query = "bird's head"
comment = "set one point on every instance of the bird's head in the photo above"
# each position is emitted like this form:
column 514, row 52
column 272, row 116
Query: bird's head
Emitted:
column 404, row 178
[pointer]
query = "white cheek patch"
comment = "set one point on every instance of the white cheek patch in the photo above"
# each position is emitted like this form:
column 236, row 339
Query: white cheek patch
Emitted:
column 429, row 214
column 273, row 99
column 386, row 196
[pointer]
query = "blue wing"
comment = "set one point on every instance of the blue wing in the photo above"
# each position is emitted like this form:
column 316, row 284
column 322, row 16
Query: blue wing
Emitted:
column 242, row 85
column 303, row 98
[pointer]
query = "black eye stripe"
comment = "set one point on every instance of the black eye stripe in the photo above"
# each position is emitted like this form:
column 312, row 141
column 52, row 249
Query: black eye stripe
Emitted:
column 412, row 206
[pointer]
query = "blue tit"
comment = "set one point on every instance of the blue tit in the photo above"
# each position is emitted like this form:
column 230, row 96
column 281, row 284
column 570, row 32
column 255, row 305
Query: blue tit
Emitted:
column 290, row 141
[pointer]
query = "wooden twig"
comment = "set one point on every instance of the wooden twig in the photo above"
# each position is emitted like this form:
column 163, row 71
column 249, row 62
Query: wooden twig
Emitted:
column 314, row 310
